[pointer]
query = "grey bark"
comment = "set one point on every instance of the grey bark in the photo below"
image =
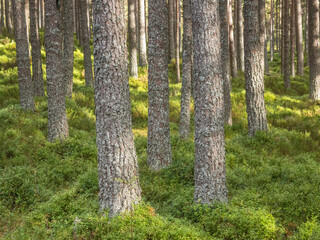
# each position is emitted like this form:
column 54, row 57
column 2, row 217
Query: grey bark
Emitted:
column 240, row 42
column 178, row 40
column 117, row 159
column 172, row 44
column 68, row 46
column 2, row 23
column 37, row 76
column 254, row 66
column 57, row 118
column 86, row 43
column 143, row 61
column 299, row 38
column 266, row 64
column 187, row 64
column 133, row 69
column 23, row 56
column 159, row 148
column 314, row 50
column 272, row 30
column 232, row 51
column 292, row 39
column 8, row 16
column 286, row 45
column 210, row 171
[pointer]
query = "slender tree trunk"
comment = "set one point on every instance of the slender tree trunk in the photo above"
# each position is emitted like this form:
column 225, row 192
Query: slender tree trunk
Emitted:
column 133, row 70
column 233, row 56
column 272, row 30
column 159, row 148
column 254, row 65
column 143, row 61
column 187, row 64
column 57, row 118
column 2, row 14
column 300, row 63
column 86, row 44
column 286, row 42
column 178, row 40
column 240, row 36
column 306, row 32
column 235, row 27
column 210, row 171
column 37, row 76
column 68, row 46
column 23, row 56
column 171, row 9
column 117, row 159
column 283, row 39
column 266, row 64
column 293, row 39
column 28, row 20
column 8, row 17
column 314, row 54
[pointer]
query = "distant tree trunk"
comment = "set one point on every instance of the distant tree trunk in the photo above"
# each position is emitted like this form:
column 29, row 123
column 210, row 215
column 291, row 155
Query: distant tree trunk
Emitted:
column 271, row 31
column 240, row 48
column 293, row 39
column 178, row 40
column 171, row 9
column 306, row 27
column 159, row 148
column 86, row 44
column 27, row 19
column 286, row 42
column 2, row 14
column 37, row 76
column 314, row 54
column 42, row 14
column 23, row 56
column 235, row 28
column 233, row 57
column 133, row 70
column 187, row 64
column 117, row 159
column 8, row 16
column 254, row 66
column 143, row 61
column 278, row 25
column 57, row 118
column 210, row 171
column 300, row 63
column 68, row 46
column 266, row 64
column 225, row 63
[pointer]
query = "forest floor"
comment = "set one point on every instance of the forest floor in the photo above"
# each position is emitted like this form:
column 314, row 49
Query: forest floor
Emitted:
column 50, row 190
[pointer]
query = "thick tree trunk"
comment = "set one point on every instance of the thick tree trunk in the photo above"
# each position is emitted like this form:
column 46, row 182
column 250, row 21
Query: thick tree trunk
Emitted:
column 143, row 61
column 8, row 16
column 210, row 171
column 37, row 76
column 225, row 63
column 117, row 159
column 133, row 69
column 299, row 38
column 254, row 66
column 178, row 40
column 233, row 56
column 314, row 54
column 57, row 117
column 68, row 46
column 172, row 44
column 293, row 39
column 159, row 148
column 187, row 64
column 286, row 45
column 23, row 56
column 240, row 43
column 272, row 30
column 86, row 44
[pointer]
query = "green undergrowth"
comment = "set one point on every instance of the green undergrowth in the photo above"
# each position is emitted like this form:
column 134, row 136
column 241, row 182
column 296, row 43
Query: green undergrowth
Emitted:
column 50, row 190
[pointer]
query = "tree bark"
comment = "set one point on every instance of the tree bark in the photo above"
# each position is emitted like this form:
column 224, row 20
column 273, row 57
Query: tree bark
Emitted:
column 23, row 56
column 133, row 70
column 293, row 39
column 210, row 171
column 37, row 76
column 57, row 118
column 178, row 40
column 8, row 16
column 300, row 61
column 272, row 30
column 68, row 46
column 240, row 36
column 314, row 54
column 171, row 9
column 86, row 43
column 254, row 66
column 143, row 61
column 2, row 14
column 117, row 159
column 187, row 64
column 233, row 56
column 286, row 42
column 159, row 148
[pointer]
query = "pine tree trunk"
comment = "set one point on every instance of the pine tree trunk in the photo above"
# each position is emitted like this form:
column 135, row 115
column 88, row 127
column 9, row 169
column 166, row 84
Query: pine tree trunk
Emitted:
column 2, row 14
column 86, row 44
column 254, row 66
column 300, row 63
column 159, row 148
column 187, row 64
column 210, row 171
column 286, row 42
column 306, row 32
column 178, row 40
column 133, row 69
column 37, row 77
column 23, row 56
column 266, row 64
column 171, row 9
column 271, row 31
column 8, row 16
column 293, row 39
column 117, row 159
column 143, row 61
column 57, row 117
column 68, row 46
column 233, row 56
column 225, row 63
column 314, row 54
column 240, row 36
